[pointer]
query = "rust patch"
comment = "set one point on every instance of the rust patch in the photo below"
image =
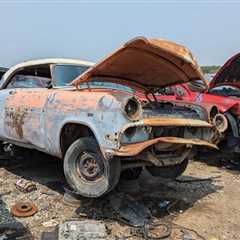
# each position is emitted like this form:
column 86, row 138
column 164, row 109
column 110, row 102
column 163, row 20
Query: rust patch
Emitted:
column 24, row 209
column 135, row 148
column 15, row 119
column 175, row 122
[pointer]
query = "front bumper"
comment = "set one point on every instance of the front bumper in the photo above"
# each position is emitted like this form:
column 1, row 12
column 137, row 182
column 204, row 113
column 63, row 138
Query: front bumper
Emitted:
column 136, row 148
column 133, row 149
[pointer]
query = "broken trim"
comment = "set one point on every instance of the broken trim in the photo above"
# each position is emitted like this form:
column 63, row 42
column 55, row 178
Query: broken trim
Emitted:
column 135, row 148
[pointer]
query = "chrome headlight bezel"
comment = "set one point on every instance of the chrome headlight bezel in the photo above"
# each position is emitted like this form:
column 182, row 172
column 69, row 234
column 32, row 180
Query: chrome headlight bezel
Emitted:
column 132, row 109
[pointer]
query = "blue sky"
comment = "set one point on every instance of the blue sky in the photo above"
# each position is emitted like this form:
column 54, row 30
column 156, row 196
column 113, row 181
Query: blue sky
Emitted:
column 91, row 29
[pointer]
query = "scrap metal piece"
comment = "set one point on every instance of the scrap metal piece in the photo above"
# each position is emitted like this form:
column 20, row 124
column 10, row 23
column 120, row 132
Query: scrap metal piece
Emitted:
column 88, row 229
column 131, row 212
column 24, row 209
column 25, row 186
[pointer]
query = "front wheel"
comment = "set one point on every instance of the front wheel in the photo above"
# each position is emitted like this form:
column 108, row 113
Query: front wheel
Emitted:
column 87, row 171
column 168, row 171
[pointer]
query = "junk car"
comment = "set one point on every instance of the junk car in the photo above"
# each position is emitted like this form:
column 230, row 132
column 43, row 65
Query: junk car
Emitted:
column 222, row 101
column 91, row 117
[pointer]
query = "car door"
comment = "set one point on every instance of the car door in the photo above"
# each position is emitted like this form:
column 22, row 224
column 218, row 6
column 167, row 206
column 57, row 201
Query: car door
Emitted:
column 22, row 109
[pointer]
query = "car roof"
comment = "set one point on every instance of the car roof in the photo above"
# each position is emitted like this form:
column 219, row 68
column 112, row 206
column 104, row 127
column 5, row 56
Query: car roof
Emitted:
column 44, row 61
column 53, row 61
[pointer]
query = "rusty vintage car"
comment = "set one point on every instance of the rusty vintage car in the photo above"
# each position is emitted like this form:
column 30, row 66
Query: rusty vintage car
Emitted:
column 91, row 116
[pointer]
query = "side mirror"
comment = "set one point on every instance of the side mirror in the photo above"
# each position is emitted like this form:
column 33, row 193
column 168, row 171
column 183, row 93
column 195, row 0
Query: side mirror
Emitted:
column 198, row 86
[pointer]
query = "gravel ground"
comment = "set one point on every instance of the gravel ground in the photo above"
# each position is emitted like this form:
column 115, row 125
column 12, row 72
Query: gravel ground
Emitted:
column 210, row 208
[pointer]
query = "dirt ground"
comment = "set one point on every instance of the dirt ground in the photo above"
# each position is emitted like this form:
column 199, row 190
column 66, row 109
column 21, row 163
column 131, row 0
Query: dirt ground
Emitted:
column 196, row 209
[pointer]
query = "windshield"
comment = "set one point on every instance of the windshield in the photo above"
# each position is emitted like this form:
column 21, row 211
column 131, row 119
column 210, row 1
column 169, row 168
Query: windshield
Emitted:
column 64, row 74
column 225, row 91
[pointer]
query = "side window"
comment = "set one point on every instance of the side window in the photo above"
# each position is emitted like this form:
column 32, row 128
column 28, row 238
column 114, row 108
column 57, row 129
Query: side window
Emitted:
column 22, row 81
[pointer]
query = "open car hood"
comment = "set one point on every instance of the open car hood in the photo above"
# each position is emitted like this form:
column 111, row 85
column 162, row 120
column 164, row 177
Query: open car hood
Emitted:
column 147, row 64
column 228, row 74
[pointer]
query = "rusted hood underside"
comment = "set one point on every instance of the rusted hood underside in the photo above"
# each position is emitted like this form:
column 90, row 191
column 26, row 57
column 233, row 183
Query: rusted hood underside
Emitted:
column 146, row 64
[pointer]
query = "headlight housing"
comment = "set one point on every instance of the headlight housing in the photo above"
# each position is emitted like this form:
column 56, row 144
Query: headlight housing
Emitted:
column 220, row 122
column 132, row 109
column 135, row 134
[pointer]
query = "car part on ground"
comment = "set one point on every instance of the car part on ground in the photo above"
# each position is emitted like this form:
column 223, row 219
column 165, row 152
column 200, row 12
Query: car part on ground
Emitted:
column 24, row 209
column 89, row 229
column 131, row 212
column 25, row 186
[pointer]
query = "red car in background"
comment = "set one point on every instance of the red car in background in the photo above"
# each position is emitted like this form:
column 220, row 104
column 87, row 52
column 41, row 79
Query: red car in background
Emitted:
column 222, row 101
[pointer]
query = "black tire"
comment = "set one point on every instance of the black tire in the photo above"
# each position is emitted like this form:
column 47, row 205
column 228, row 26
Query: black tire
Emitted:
column 87, row 171
column 131, row 173
column 168, row 171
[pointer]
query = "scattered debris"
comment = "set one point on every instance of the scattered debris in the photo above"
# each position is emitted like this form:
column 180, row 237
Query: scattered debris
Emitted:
column 131, row 212
column 160, row 197
column 5, row 216
column 14, row 231
column 24, row 209
column 164, row 204
column 25, row 186
column 51, row 223
column 49, row 235
column 187, row 233
column 157, row 230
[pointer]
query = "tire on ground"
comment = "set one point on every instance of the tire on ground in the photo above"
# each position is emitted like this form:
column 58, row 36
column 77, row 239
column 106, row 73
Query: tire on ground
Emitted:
column 77, row 156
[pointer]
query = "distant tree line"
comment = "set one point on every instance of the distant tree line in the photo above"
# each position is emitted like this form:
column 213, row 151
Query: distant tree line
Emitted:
column 210, row 69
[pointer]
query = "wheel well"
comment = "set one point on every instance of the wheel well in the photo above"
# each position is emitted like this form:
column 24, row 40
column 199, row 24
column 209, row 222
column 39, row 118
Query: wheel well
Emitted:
column 71, row 132
column 233, row 124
